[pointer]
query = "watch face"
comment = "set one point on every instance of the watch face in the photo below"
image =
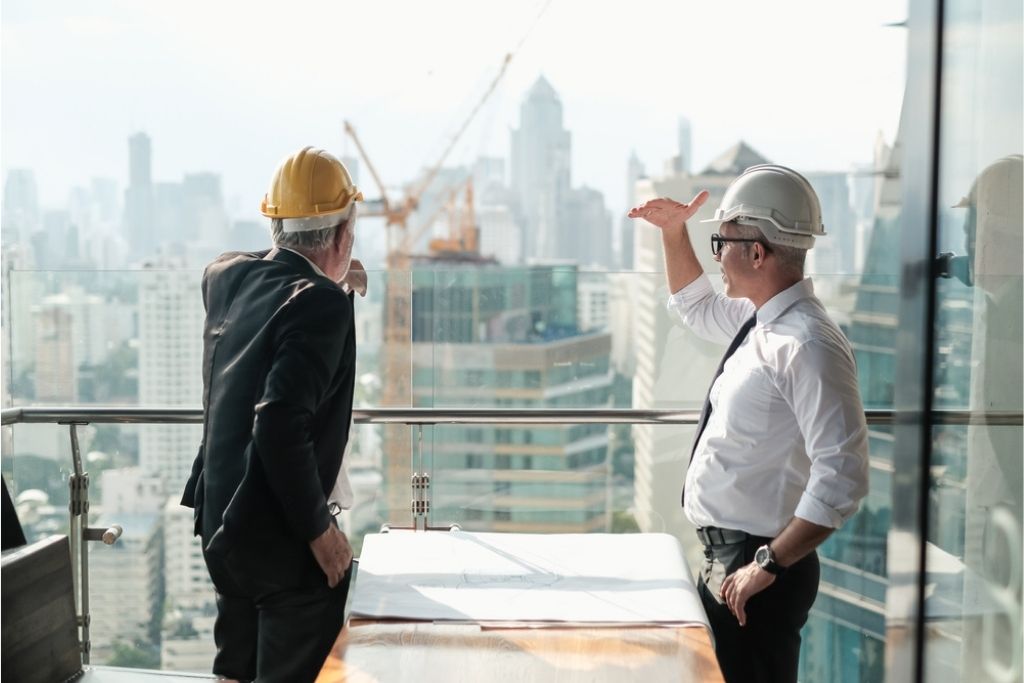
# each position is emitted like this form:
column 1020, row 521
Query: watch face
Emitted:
column 761, row 556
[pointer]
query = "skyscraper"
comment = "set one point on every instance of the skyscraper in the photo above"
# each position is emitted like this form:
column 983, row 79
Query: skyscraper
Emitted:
column 138, row 197
column 170, row 374
column 55, row 361
column 541, row 169
column 634, row 172
column 833, row 255
column 20, row 207
column 518, row 345
column 685, row 154
column 585, row 229
column 170, row 367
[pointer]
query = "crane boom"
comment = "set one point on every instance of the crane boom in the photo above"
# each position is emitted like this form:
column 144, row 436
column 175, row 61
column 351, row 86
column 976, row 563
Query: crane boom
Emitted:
column 369, row 165
column 397, row 332
column 465, row 124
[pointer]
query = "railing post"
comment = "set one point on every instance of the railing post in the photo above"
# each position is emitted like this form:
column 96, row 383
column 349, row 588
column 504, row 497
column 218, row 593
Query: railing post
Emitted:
column 78, row 485
column 420, row 486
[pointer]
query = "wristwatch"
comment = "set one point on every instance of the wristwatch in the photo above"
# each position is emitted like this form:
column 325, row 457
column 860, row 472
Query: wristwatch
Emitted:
column 764, row 557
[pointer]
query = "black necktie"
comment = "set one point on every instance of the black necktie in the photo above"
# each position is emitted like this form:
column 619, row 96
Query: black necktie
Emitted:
column 705, row 412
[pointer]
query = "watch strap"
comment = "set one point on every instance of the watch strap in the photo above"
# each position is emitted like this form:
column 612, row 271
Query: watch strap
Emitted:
column 770, row 565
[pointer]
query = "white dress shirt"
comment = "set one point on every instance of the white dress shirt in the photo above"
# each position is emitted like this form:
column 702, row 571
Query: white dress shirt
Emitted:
column 787, row 434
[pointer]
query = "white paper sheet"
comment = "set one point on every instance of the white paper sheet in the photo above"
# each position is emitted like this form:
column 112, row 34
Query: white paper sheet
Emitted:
column 606, row 579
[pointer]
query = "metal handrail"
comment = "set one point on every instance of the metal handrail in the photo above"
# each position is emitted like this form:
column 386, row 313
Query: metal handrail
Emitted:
column 78, row 483
column 434, row 416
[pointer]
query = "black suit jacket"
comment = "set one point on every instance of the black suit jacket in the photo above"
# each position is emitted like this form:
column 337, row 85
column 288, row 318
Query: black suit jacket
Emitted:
column 278, row 372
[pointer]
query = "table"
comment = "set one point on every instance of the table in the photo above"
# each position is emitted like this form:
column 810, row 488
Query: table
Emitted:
column 425, row 652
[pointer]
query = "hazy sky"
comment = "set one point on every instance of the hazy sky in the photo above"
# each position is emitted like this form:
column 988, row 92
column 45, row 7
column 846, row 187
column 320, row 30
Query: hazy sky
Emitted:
column 231, row 87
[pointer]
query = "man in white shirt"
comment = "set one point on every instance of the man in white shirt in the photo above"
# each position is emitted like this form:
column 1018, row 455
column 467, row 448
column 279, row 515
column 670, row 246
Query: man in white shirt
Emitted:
column 779, row 460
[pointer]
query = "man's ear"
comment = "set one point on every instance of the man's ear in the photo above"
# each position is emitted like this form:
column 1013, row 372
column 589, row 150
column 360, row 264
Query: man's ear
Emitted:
column 758, row 253
column 339, row 234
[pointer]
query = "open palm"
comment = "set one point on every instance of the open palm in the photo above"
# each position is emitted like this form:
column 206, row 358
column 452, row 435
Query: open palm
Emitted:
column 668, row 213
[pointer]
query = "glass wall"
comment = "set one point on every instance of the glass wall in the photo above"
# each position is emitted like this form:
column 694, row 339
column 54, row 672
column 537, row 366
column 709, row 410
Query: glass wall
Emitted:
column 973, row 558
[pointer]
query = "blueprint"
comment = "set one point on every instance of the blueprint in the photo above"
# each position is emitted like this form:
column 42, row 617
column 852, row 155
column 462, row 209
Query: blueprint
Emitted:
column 528, row 579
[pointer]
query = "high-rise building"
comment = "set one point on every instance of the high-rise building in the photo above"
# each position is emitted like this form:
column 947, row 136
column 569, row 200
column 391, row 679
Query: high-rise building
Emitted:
column 500, row 233
column 488, row 172
column 541, row 169
column 518, row 345
column 20, row 212
column 593, row 297
column 248, row 236
column 22, row 292
column 187, row 642
column 204, row 215
column 187, row 631
column 170, row 374
column 685, row 154
column 170, row 219
column 138, row 197
column 834, row 255
column 129, row 491
column 634, row 172
column 188, row 582
column 621, row 321
column 56, row 244
column 55, row 363
column 128, row 576
column 170, row 366
column 585, row 232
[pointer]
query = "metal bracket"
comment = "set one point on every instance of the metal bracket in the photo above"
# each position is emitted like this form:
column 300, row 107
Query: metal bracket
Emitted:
column 78, row 492
column 108, row 535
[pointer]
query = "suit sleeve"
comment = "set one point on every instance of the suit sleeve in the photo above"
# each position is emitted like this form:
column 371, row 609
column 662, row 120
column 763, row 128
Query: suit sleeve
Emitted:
column 189, row 496
column 307, row 354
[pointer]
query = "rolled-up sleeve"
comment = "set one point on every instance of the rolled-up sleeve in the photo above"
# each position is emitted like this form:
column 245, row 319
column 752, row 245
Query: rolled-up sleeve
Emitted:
column 820, row 381
column 711, row 315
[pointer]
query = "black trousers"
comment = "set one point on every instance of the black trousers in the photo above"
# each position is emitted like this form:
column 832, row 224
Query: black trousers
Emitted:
column 767, row 649
column 270, row 633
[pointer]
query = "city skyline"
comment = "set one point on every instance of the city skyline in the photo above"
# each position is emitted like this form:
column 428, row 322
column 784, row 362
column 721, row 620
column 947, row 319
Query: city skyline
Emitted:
column 229, row 118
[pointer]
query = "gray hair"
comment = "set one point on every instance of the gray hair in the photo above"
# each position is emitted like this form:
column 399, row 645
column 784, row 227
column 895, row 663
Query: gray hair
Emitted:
column 791, row 259
column 310, row 240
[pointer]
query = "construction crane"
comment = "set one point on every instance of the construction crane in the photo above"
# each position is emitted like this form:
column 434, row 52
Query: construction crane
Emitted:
column 397, row 334
column 463, row 234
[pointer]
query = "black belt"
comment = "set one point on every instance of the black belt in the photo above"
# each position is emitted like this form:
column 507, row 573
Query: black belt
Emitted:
column 712, row 536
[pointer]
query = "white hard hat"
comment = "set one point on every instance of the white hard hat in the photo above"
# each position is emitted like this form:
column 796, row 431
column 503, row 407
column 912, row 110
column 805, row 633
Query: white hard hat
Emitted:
column 776, row 199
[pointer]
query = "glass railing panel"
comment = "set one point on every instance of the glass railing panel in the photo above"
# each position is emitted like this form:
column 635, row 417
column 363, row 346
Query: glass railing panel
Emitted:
column 477, row 338
column 36, row 464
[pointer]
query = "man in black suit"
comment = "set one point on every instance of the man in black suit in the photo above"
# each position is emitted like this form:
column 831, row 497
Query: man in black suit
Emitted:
column 278, row 367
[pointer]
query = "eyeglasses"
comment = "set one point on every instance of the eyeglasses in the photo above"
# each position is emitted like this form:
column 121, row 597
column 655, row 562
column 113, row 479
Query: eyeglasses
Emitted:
column 717, row 242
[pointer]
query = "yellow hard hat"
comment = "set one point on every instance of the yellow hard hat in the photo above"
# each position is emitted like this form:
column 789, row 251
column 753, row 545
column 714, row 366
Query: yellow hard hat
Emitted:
column 309, row 184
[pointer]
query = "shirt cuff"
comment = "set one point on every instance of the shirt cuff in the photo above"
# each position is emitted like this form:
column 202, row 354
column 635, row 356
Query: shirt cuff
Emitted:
column 813, row 510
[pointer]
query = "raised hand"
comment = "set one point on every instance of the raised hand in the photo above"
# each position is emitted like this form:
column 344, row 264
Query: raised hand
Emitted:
column 355, row 278
column 668, row 213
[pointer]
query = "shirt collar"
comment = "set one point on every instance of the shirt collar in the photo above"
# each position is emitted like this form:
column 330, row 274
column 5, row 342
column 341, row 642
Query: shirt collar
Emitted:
column 312, row 265
column 779, row 303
